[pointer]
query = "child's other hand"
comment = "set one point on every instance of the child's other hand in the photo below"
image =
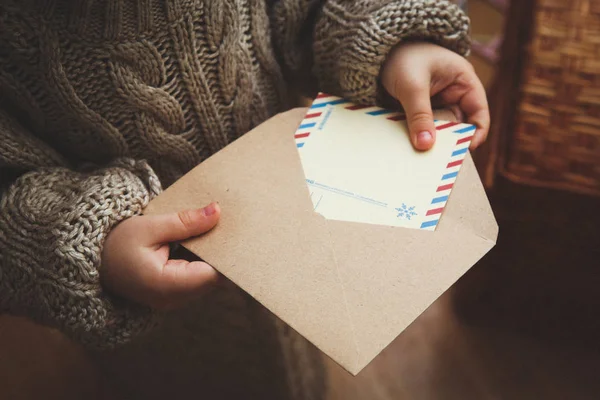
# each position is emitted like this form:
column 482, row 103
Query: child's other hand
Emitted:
column 135, row 259
column 417, row 73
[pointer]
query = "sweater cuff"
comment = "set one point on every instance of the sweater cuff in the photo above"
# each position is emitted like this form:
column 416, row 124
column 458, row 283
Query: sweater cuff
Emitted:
column 353, row 39
column 53, row 224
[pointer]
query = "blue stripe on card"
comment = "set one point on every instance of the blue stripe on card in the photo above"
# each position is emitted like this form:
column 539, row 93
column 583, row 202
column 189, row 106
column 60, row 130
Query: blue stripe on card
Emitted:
column 299, row 145
column 333, row 103
column 439, row 199
column 308, row 125
column 429, row 224
column 466, row 129
column 459, row 152
column 450, row 175
column 380, row 112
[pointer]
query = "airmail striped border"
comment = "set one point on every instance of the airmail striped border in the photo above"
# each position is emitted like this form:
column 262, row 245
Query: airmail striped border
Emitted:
column 464, row 135
column 306, row 126
column 323, row 100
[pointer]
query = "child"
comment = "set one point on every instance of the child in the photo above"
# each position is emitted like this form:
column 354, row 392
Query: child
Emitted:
column 105, row 102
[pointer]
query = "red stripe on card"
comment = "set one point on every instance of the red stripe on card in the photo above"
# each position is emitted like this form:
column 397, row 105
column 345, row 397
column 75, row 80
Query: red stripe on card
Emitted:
column 356, row 107
column 464, row 140
column 435, row 211
column 454, row 164
column 313, row 115
column 301, row 135
column 445, row 187
column 322, row 95
column 448, row 125
column 397, row 118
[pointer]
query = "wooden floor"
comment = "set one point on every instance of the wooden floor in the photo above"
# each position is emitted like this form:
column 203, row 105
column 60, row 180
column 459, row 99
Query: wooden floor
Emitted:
column 523, row 324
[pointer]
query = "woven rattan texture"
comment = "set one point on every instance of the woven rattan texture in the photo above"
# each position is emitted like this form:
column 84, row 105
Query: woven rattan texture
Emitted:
column 556, row 140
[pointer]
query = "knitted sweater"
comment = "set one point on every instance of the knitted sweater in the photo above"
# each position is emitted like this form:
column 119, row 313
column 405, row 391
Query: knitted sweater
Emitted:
column 105, row 102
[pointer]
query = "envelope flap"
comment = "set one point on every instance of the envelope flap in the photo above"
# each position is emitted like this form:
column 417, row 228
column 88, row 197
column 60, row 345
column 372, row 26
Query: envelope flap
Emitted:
column 393, row 274
column 269, row 241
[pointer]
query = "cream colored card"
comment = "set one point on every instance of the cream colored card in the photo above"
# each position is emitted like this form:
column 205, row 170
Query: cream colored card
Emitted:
column 360, row 165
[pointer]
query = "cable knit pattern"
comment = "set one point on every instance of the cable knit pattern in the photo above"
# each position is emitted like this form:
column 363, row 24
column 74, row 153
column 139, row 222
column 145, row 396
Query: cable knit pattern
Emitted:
column 54, row 277
column 102, row 101
column 352, row 39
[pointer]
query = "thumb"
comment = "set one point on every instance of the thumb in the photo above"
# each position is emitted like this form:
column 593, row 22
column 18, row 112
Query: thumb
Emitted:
column 416, row 102
column 181, row 225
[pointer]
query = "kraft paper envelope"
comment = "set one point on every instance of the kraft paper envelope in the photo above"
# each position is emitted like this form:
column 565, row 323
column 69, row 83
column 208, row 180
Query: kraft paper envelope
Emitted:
column 350, row 288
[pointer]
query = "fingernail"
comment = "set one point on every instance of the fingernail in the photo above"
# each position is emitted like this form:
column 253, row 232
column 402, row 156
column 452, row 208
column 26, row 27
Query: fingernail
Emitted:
column 210, row 209
column 424, row 138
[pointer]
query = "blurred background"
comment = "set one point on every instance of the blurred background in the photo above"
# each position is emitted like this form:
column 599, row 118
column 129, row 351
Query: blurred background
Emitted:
column 524, row 323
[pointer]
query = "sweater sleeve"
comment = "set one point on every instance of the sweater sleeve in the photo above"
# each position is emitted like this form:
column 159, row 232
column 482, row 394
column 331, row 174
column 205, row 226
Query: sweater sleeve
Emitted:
column 53, row 223
column 344, row 43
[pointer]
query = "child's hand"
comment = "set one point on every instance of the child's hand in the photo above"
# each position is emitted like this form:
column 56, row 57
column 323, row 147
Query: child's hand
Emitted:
column 417, row 72
column 135, row 259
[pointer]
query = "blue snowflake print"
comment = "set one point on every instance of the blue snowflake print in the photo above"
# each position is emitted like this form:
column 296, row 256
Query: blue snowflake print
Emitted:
column 406, row 212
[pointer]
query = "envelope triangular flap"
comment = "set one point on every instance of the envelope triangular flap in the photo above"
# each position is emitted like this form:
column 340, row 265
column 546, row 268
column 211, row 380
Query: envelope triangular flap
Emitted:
column 269, row 241
column 391, row 275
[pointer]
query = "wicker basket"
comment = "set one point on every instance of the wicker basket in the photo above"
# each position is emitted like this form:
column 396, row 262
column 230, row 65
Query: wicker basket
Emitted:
column 556, row 137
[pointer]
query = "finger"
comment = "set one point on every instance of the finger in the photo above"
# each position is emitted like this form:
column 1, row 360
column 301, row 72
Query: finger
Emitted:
column 162, row 283
column 458, row 113
column 472, row 104
column 468, row 92
column 182, row 281
column 181, row 276
column 182, row 225
column 416, row 101
column 475, row 106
